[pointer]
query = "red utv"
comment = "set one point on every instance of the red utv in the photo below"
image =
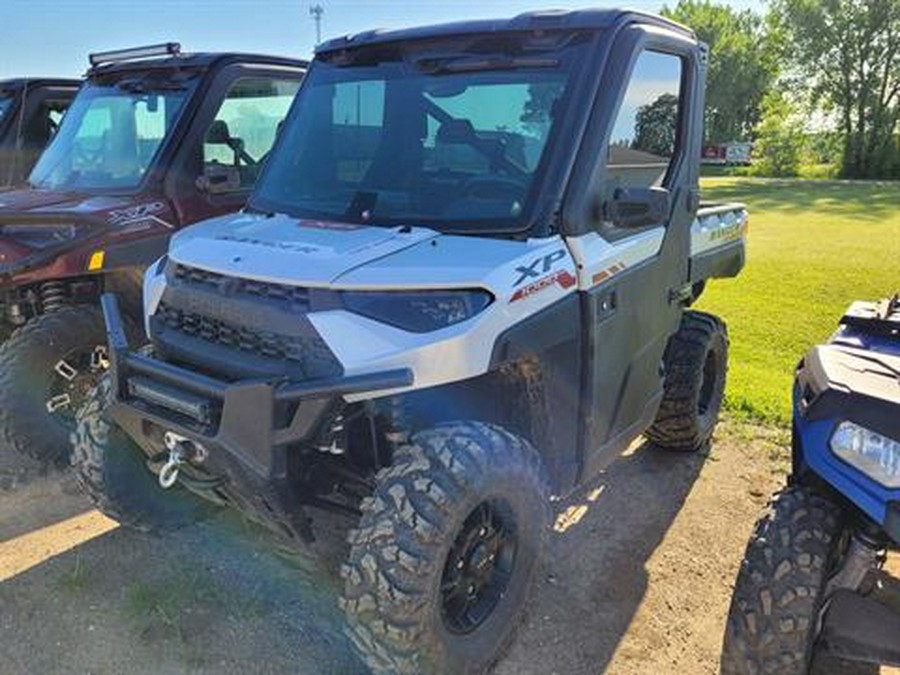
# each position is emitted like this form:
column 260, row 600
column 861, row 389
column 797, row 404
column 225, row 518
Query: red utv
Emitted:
column 154, row 141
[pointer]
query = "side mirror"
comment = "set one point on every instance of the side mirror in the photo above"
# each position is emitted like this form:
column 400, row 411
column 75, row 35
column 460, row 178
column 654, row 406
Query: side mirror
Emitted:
column 637, row 207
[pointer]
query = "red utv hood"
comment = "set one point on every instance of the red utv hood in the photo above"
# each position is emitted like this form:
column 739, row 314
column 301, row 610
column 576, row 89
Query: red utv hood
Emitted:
column 91, row 214
column 35, row 203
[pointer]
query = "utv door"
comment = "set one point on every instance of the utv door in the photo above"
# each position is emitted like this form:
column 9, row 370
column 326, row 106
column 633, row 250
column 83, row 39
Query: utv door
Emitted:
column 634, row 235
column 230, row 138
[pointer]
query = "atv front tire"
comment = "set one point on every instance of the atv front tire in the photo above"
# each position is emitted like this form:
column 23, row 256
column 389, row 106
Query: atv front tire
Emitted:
column 46, row 369
column 696, row 363
column 778, row 595
column 113, row 472
column 447, row 551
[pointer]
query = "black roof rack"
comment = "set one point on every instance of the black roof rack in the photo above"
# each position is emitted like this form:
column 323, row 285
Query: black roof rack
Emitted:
column 138, row 60
column 135, row 53
column 528, row 21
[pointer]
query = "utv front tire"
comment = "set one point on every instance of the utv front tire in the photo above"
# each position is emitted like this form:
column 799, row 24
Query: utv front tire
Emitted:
column 447, row 551
column 696, row 363
column 112, row 470
column 49, row 363
column 778, row 595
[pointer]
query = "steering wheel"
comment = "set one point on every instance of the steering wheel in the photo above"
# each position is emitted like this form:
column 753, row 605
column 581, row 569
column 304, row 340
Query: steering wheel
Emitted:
column 94, row 158
column 494, row 187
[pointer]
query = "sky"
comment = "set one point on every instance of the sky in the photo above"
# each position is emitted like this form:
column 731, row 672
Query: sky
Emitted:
column 54, row 37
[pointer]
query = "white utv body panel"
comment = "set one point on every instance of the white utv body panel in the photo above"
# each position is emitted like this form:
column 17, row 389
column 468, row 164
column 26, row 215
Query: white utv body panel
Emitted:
column 523, row 277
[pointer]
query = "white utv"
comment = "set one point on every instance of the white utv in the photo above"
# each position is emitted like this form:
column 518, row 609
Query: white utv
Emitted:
column 459, row 288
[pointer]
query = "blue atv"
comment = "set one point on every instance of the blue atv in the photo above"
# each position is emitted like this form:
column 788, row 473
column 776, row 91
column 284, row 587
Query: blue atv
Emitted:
column 808, row 578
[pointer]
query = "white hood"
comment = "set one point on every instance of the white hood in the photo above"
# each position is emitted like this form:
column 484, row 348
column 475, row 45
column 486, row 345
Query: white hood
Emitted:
column 282, row 249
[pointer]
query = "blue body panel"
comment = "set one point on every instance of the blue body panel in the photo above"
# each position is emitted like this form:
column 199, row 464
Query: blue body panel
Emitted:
column 813, row 440
column 875, row 343
column 816, row 455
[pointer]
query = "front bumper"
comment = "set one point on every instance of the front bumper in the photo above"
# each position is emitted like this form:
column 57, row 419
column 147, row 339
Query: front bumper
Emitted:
column 246, row 427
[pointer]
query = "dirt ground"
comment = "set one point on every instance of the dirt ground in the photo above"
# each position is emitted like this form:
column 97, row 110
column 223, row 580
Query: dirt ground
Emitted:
column 639, row 581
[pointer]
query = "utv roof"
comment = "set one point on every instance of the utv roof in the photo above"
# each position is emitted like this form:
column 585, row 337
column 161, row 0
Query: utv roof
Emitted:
column 541, row 20
column 200, row 60
column 16, row 83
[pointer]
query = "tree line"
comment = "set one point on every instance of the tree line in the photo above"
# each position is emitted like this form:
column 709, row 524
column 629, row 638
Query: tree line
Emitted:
column 814, row 80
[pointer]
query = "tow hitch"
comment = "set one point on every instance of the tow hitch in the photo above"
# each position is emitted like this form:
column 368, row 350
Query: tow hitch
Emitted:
column 181, row 450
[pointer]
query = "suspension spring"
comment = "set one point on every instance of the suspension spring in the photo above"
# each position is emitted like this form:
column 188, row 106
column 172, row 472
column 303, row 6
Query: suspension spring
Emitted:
column 53, row 296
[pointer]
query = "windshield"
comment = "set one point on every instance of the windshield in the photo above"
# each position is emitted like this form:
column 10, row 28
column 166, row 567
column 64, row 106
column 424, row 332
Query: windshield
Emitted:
column 452, row 143
column 109, row 138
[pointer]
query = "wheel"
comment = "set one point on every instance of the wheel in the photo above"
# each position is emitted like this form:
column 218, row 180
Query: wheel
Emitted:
column 696, row 362
column 47, row 368
column 111, row 469
column 447, row 551
column 778, row 595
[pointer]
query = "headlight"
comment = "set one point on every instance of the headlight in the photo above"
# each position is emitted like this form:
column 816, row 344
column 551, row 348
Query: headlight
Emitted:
column 418, row 311
column 875, row 455
column 38, row 235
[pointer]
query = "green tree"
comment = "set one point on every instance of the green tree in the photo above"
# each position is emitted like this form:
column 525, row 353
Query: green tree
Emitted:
column 536, row 113
column 655, row 125
column 848, row 51
column 743, row 65
column 780, row 138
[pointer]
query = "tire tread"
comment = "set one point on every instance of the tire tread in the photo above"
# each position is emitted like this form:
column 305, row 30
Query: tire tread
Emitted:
column 394, row 549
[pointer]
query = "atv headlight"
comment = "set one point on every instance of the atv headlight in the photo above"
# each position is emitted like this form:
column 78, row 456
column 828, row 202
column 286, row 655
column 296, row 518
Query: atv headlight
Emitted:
column 875, row 455
column 418, row 311
column 38, row 235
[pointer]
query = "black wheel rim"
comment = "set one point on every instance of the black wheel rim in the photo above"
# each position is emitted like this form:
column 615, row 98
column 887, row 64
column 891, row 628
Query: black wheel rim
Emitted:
column 479, row 566
column 71, row 379
column 708, row 385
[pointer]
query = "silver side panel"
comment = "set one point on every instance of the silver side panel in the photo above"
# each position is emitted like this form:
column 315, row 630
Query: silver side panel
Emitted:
column 717, row 226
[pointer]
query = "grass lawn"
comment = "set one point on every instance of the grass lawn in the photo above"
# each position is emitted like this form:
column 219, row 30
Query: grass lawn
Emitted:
column 814, row 246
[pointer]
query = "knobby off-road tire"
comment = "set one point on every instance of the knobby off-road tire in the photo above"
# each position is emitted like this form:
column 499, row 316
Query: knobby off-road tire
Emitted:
column 29, row 378
column 778, row 594
column 401, row 579
column 113, row 472
column 696, row 363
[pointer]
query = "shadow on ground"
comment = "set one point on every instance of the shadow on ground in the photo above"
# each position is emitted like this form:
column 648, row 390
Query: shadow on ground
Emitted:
column 597, row 573
column 217, row 598
column 212, row 598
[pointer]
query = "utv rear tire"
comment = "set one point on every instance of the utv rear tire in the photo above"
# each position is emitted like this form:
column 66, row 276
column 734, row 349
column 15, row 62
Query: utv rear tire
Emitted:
column 30, row 377
column 696, row 363
column 778, row 595
column 113, row 472
column 462, row 500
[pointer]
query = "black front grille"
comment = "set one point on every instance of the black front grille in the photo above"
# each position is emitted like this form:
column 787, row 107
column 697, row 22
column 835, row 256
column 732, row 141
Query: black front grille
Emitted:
column 256, row 342
column 239, row 327
column 295, row 296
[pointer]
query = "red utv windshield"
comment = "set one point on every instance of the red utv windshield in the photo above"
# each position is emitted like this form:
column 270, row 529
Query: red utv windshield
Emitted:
column 109, row 138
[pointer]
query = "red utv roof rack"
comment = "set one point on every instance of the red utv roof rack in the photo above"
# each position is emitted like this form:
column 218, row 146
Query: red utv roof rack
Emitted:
column 135, row 53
